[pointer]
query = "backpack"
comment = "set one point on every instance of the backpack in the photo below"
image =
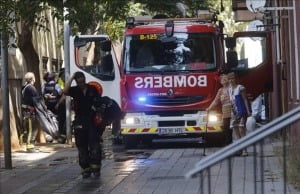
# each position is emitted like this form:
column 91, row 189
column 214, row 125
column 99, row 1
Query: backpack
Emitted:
column 50, row 89
column 107, row 108
column 239, row 105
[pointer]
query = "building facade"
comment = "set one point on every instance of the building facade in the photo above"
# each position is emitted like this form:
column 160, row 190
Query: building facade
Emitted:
column 282, row 17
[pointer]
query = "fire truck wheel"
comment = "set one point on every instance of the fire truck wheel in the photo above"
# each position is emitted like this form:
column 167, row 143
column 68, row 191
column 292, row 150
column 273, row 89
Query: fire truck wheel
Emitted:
column 130, row 141
column 147, row 140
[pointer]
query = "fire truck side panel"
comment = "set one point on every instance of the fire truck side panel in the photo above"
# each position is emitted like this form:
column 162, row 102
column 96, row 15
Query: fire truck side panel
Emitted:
column 79, row 62
column 262, row 74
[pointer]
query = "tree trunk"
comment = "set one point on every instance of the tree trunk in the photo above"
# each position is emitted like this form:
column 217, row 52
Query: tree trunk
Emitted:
column 30, row 55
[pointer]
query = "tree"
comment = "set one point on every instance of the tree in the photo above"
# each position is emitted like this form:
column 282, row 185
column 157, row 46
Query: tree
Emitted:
column 88, row 17
column 167, row 7
column 226, row 15
column 6, row 8
column 19, row 18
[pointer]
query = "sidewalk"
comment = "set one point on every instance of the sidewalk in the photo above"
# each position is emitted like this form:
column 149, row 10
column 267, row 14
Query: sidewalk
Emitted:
column 56, row 170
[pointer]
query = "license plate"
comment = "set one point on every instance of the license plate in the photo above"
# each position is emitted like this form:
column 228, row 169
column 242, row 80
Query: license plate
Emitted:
column 174, row 130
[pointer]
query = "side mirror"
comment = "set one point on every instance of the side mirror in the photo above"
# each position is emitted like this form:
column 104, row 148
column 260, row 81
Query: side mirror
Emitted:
column 232, row 59
column 230, row 42
column 105, row 45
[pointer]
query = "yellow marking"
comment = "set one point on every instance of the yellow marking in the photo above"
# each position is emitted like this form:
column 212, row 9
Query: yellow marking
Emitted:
column 148, row 36
column 187, row 129
column 153, row 130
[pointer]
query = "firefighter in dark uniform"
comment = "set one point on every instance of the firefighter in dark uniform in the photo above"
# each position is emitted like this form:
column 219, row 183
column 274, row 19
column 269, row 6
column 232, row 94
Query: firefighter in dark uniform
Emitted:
column 86, row 133
column 29, row 115
column 52, row 92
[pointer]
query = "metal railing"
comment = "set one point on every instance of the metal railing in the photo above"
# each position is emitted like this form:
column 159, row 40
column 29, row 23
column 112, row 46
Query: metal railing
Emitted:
column 255, row 139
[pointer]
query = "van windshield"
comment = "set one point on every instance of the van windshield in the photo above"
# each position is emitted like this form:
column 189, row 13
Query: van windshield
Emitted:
column 158, row 53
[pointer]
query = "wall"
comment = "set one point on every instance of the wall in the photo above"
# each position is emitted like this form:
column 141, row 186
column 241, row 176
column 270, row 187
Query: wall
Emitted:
column 285, row 24
column 50, row 50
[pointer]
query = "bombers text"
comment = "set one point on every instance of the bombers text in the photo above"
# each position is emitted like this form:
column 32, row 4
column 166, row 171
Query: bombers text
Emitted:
column 171, row 81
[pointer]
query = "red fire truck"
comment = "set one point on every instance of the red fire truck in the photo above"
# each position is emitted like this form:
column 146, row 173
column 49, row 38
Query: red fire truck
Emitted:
column 169, row 74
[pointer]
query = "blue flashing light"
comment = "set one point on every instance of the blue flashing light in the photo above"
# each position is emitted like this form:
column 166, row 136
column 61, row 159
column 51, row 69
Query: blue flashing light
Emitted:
column 142, row 99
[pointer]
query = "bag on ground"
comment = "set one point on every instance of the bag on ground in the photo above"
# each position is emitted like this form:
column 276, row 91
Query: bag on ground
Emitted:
column 46, row 118
column 250, row 124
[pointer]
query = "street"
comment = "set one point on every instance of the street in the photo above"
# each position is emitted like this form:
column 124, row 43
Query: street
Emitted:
column 159, row 169
column 56, row 169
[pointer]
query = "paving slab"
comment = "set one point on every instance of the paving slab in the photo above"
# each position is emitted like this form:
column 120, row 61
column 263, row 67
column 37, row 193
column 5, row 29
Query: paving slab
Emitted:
column 56, row 170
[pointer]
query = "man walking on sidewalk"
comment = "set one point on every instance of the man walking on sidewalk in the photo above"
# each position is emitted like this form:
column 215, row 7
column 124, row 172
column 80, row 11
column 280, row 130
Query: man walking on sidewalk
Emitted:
column 87, row 136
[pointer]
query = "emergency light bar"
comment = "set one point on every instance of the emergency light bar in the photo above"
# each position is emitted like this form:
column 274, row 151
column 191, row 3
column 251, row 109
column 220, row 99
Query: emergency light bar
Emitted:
column 203, row 17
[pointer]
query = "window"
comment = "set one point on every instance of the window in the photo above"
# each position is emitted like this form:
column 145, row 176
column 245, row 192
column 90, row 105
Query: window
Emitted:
column 158, row 53
column 251, row 52
column 91, row 58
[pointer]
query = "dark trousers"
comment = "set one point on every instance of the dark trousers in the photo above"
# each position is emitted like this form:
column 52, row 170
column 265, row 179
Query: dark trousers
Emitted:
column 30, row 127
column 87, row 140
column 61, row 116
column 226, row 125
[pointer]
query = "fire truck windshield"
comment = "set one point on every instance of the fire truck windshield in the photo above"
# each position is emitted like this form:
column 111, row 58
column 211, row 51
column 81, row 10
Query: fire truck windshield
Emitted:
column 158, row 53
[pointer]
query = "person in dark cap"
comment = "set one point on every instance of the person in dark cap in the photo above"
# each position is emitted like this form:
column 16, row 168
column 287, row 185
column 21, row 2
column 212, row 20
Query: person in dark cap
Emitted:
column 52, row 92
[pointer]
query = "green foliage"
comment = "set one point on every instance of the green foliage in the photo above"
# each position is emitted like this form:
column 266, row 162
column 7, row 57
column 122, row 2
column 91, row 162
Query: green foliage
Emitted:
column 167, row 7
column 88, row 16
column 114, row 28
column 27, row 11
column 106, row 16
column 59, row 8
column 6, row 11
column 227, row 16
column 195, row 5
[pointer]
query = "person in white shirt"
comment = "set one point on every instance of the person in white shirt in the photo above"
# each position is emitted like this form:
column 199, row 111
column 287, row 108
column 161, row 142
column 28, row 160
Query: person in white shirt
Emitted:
column 241, row 108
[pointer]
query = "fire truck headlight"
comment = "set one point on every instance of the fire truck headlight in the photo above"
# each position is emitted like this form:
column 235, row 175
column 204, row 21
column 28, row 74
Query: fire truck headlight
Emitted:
column 132, row 120
column 213, row 118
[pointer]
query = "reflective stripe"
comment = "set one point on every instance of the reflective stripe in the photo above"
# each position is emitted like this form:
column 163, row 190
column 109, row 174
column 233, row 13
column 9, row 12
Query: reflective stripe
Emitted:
column 195, row 129
column 86, row 170
column 187, row 129
column 29, row 146
column 26, row 106
column 140, row 130
column 95, row 166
